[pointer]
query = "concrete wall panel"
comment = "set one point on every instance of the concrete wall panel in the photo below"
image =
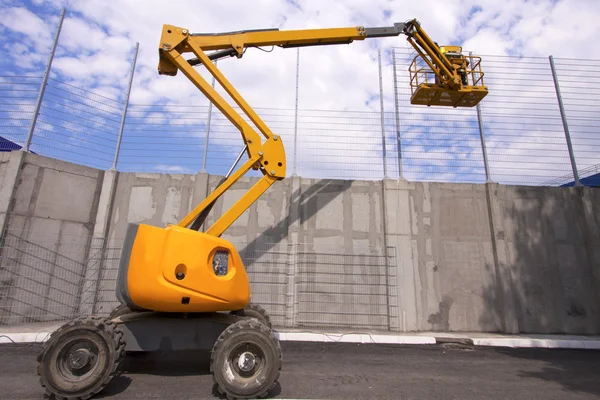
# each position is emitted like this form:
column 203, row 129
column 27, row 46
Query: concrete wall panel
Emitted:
column 465, row 257
column 552, row 256
column 46, row 238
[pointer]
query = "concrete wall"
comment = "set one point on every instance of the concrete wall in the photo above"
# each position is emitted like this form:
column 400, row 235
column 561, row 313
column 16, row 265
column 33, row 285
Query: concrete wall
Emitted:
column 47, row 235
column 549, row 239
column 395, row 255
column 443, row 237
column 155, row 199
column 537, row 272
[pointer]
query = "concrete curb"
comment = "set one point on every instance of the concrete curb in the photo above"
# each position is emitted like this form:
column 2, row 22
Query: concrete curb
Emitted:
column 538, row 343
column 40, row 337
column 354, row 338
column 510, row 342
column 27, row 337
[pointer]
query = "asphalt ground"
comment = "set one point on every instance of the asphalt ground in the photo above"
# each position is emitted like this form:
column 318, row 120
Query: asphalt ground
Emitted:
column 346, row 371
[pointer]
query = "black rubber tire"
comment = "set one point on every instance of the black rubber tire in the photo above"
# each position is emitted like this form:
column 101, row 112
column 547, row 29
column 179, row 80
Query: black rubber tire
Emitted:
column 97, row 333
column 119, row 310
column 255, row 311
column 253, row 335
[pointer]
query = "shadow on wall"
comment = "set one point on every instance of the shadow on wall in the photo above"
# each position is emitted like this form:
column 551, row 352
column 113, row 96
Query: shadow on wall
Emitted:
column 547, row 274
column 548, row 271
column 303, row 206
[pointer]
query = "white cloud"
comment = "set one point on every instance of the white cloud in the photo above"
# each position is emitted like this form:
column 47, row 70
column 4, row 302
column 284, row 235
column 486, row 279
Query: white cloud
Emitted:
column 340, row 77
column 489, row 41
column 79, row 35
column 23, row 21
column 172, row 169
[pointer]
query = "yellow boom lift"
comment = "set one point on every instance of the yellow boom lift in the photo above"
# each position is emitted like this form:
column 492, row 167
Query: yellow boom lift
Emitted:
column 181, row 288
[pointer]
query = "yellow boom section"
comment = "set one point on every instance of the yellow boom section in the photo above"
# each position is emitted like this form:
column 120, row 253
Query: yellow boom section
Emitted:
column 268, row 156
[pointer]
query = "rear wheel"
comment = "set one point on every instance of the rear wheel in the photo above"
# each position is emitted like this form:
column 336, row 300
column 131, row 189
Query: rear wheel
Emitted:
column 246, row 360
column 81, row 358
column 255, row 311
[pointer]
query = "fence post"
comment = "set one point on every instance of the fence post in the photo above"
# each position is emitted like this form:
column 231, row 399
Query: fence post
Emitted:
column 564, row 121
column 294, row 172
column 290, row 320
column 397, row 110
column 486, row 164
column 385, row 175
column 38, row 103
column 208, row 119
column 124, row 116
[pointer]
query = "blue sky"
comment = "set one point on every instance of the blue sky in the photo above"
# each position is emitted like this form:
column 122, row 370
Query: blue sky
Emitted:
column 98, row 37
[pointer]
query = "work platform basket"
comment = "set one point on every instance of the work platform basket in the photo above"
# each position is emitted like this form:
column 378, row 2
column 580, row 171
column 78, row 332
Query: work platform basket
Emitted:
column 426, row 90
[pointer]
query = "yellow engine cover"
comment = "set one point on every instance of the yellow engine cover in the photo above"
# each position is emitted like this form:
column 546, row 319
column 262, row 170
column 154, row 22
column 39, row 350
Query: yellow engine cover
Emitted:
column 171, row 270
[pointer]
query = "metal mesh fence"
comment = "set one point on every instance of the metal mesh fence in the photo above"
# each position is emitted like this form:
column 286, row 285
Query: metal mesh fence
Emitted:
column 521, row 124
column 225, row 140
column 168, row 139
column 18, row 95
column 44, row 279
column 75, row 124
column 340, row 144
column 520, row 121
column 579, row 84
column 342, row 289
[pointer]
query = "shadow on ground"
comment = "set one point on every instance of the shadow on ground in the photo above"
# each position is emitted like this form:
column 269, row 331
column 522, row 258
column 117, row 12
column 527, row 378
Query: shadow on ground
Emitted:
column 167, row 363
column 572, row 369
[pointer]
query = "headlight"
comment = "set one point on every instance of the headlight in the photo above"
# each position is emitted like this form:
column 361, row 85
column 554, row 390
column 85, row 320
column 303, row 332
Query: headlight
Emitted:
column 221, row 262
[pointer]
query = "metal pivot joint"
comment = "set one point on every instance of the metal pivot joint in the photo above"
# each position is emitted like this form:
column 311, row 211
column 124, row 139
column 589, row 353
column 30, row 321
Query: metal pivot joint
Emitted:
column 387, row 31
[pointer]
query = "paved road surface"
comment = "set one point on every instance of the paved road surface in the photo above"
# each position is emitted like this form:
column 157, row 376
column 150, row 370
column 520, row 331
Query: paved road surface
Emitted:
column 348, row 371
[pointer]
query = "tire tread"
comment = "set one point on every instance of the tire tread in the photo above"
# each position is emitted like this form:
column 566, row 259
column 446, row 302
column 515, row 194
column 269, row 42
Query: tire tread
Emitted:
column 239, row 326
column 115, row 334
column 259, row 310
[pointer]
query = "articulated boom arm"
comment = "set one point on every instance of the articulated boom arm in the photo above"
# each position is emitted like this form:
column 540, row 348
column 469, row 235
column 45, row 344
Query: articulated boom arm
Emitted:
column 268, row 156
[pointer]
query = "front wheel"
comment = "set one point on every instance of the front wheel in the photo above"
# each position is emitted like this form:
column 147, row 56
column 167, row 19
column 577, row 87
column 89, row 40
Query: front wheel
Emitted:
column 81, row 358
column 246, row 360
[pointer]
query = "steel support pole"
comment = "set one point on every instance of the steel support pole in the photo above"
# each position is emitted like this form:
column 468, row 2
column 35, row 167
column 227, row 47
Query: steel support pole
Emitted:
column 38, row 103
column 207, row 135
column 397, row 107
column 486, row 164
column 124, row 116
column 385, row 174
column 564, row 121
column 294, row 171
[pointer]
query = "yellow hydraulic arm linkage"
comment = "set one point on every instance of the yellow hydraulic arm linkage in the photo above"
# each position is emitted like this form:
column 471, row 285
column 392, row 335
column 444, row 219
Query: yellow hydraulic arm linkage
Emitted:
column 450, row 89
